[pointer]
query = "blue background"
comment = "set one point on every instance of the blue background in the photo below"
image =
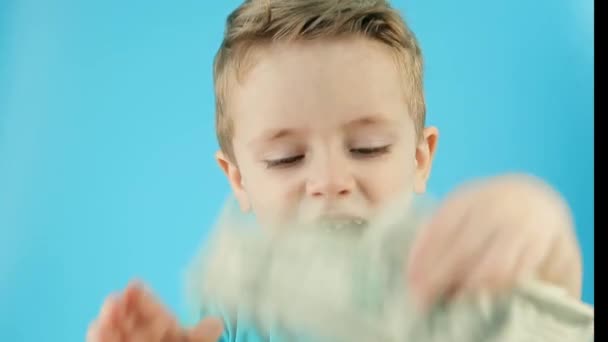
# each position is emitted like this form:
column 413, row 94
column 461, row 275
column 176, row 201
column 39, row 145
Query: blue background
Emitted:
column 107, row 135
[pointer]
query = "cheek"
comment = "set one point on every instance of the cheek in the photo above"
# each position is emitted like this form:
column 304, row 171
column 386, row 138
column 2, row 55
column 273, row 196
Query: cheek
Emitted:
column 388, row 180
column 273, row 197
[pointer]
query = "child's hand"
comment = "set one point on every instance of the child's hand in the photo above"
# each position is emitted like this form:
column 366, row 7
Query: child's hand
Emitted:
column 491, row 234
column 135, row 315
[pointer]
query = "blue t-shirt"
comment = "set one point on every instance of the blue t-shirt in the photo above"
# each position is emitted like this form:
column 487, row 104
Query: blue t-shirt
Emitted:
column 243, row 329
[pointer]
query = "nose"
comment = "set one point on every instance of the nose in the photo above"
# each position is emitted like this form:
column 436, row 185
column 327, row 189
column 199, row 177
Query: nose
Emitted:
column 330, row 178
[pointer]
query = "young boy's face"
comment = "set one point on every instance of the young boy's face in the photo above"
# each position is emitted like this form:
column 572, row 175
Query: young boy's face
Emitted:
column 322, row 131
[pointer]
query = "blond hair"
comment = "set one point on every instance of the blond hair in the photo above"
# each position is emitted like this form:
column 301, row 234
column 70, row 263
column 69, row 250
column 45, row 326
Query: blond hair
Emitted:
column 257, row 22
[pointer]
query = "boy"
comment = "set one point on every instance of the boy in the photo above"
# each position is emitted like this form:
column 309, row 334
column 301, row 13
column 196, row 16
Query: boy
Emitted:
column 320, row 107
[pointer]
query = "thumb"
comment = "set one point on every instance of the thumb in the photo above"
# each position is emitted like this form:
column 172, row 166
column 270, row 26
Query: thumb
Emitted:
column 208, row 330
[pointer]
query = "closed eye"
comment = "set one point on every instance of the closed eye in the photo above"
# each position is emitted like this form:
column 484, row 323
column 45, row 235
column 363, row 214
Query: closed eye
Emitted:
column 283, row 162
column 366, row 152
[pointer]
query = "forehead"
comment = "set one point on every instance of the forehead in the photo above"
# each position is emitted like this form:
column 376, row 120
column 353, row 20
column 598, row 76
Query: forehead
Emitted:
column 302, row 82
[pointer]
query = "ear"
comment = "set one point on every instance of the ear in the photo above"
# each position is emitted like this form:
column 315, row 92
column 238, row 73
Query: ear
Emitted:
column 425, row 151
column 233, row 174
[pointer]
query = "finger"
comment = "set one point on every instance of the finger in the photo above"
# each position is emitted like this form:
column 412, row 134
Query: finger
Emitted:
column 531, row 262
column 157, row 328
column 150, row 319
column 109, row 309
column 436, row 267
column 433, row 239
column 515, row 254
column 446, row 275
column 93, row 333
column 125, row 314
column 140, row 335
column 144, row 303
column 503, row 264
column 561, row 265
column 99, row 333
column 535, row 251
column 131, row 294
column 445, row 224
column 108, row 326
column 468, row 235
column 519, row 255
column 208, row 330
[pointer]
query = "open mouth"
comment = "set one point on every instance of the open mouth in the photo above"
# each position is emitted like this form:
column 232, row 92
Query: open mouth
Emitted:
column 346, row 225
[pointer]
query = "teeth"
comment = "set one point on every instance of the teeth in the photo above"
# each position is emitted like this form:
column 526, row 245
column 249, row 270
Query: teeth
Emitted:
column 339, row 225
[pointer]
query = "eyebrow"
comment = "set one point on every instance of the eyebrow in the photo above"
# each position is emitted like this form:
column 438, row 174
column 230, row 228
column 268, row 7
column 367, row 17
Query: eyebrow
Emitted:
column 274, row 134
column 369, row 120
column 271, row 135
